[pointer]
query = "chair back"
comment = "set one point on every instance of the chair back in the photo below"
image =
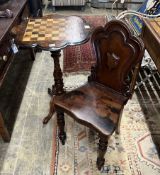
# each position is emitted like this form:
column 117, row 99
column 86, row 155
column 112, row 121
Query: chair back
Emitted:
column 117, row 53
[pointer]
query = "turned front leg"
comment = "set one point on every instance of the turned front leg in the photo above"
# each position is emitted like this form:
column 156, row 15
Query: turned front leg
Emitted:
column 103, row 143
column 61, row 124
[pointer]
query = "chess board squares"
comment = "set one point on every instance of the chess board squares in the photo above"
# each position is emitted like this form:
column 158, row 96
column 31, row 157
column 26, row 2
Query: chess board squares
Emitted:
column 27, row 37
column 45, row 30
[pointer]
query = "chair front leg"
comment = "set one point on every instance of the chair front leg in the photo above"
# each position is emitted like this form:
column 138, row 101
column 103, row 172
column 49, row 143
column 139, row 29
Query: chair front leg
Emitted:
column 103, row 143
column 61, row 124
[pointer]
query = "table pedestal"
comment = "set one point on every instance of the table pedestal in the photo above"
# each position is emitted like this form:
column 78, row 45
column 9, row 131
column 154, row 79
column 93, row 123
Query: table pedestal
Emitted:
column 58, row 87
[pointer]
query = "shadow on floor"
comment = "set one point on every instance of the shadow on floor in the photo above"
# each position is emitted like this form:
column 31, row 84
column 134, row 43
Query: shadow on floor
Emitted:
column 12, row 90
column 148, row 95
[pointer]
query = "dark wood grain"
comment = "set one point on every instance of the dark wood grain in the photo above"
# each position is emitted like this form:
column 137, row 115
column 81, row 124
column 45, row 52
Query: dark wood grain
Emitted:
column 99, row 103
column 17, row 7
column 20, row 12
column 120, row 44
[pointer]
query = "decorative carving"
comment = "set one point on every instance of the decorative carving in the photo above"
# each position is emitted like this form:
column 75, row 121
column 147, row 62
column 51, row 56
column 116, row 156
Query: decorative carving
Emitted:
column 112, row 60
column 126, row 91
column 118, row 58
column 57, row 73
column 57, row 88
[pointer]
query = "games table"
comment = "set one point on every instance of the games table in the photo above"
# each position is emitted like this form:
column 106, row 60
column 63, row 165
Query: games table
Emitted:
column 53, row 33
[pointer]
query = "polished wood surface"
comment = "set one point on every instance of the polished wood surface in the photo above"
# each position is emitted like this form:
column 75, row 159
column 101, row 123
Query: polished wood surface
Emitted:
column 151, row 38
column 17, row 7
column 20, row 13
column 99, row 103
column 100, row 106
column 53, row 32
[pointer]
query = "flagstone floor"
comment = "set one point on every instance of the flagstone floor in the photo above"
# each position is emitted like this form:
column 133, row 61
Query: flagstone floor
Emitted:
column 30, row 149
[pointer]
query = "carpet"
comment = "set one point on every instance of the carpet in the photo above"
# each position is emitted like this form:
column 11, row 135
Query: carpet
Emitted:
column 133, row 152
column 80, row 58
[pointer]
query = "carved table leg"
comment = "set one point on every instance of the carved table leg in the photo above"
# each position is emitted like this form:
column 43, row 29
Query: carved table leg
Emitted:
column 103, row 143
column 3, row 130
column 61, row 124
column 57, row 88
column 51, row 112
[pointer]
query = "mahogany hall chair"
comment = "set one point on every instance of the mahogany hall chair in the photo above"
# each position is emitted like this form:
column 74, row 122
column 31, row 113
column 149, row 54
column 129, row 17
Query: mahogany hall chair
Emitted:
column 99, row 103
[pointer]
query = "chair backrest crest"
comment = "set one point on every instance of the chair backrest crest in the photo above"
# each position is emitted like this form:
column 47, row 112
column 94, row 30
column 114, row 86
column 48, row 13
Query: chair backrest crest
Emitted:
column 117, row 52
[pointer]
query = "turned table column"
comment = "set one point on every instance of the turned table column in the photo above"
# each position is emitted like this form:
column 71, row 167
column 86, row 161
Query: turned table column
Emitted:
column 57, row 87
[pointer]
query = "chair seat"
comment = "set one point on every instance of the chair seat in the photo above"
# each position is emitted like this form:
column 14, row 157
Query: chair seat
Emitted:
column 93, row 105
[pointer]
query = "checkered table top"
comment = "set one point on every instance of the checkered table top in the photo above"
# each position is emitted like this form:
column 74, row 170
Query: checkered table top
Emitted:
column 55, row 32
column 45, row 30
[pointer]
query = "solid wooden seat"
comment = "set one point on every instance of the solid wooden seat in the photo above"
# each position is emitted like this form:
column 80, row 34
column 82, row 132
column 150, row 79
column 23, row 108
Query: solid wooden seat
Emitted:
column 94, row 104
column 99, row 103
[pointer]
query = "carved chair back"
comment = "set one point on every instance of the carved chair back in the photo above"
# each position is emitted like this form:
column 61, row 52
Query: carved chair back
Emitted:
column 117, row 52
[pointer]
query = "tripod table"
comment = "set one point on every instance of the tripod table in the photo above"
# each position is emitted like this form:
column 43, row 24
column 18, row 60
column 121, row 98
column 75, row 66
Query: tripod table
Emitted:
column 53, row 33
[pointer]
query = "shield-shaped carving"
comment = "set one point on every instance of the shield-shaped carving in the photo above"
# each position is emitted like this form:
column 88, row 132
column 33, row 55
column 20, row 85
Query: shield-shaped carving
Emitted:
column 112, row 60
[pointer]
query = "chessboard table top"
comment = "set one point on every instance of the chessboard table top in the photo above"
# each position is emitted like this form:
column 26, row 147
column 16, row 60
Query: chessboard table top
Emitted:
column 53, row 32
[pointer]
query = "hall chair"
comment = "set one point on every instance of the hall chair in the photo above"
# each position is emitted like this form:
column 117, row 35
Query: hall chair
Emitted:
column 99, row 103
